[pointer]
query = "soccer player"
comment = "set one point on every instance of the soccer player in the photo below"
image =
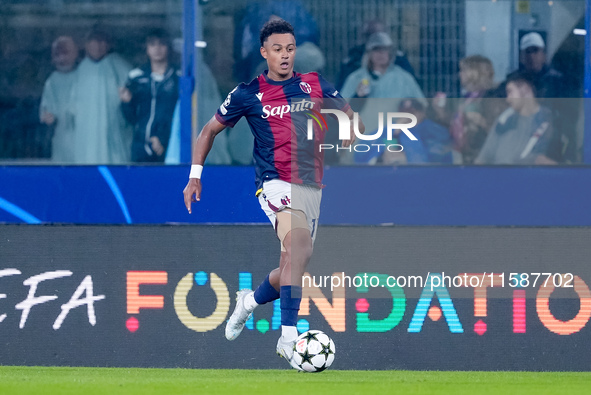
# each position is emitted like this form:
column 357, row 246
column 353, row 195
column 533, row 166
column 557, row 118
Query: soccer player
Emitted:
column 288, row 170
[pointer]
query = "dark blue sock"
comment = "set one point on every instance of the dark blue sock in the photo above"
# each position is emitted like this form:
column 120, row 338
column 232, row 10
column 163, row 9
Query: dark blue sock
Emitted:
column 291, row 296
column 265, row 292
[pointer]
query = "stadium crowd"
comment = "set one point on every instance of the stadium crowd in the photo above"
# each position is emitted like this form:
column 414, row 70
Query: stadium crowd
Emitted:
column 98, row 109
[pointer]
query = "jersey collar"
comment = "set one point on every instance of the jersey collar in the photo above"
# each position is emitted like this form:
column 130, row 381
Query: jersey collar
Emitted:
column 273, row 82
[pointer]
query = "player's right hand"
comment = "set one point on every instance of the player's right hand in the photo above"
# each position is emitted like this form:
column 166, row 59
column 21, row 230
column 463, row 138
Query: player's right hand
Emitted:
column 192, row 192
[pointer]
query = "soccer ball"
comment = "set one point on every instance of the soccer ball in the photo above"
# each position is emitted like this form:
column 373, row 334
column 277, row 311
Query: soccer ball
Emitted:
column 313, row 351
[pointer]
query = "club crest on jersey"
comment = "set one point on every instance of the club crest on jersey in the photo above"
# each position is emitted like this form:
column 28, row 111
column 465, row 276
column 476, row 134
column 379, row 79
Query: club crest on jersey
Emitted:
column 305, row 87
column 285, row 200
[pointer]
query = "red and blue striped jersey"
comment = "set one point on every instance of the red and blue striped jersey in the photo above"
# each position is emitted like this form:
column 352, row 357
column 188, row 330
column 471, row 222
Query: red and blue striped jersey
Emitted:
column 277, row 113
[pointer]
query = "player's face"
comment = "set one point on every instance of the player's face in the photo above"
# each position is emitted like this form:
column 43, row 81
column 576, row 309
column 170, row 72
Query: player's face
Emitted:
column 157, row 51
column 279, row 51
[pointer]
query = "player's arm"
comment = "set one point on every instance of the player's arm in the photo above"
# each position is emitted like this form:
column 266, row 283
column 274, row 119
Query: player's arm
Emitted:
column 201, row 148
column 350, row 114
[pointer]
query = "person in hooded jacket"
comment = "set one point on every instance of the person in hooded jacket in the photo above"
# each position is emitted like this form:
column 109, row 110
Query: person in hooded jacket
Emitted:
column 149, row 98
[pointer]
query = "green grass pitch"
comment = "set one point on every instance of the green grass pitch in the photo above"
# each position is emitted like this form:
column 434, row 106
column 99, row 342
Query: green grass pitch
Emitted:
column 110, row 381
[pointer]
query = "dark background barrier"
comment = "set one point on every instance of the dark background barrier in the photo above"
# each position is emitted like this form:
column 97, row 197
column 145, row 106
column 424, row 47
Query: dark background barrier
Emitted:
column 158, row 296
column 407, row 195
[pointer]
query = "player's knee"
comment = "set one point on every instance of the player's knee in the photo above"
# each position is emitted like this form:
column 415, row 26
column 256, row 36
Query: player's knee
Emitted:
column 300, row 245
column 292, row 227
column 307, row 247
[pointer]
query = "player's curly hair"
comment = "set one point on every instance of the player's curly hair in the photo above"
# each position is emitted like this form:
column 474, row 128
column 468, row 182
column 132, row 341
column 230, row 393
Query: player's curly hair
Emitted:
column 276, row 26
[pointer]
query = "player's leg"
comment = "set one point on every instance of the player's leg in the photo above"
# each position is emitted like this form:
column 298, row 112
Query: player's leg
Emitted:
column 298, row 245
column 268, row 290
column 272, row 198
column 274, row 276
column 298, row 241
column 246, row 299
column 292, row 229
column 299, row 248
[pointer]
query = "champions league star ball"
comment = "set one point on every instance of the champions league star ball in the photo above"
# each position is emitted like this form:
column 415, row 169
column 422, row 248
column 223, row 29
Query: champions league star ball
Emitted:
column 314, row 351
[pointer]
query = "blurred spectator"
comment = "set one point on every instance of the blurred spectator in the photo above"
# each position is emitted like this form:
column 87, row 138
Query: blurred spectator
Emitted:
column 551, row 87
column 309, row 58
column 149, row 98
column 378, row 78
column 102, row 134
column 56, row 102
column 246, row 39
column 523, row 132
column 353, row 60
column 434, row 143
column 471, row 117
column 205, row 100
column 548, row 81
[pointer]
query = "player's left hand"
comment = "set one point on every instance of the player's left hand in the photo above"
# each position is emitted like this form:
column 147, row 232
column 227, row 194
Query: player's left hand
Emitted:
column 192, row 192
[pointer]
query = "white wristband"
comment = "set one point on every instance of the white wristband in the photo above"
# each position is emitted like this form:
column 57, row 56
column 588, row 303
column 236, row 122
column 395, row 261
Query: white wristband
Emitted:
column 196, row 171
